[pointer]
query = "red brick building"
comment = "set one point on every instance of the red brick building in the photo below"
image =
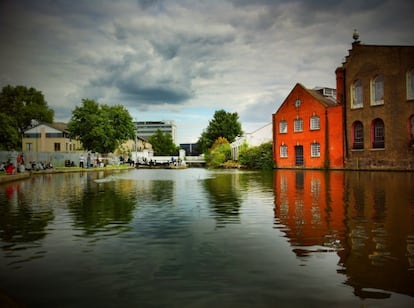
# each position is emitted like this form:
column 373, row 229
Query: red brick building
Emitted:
column 376, row 86
column 308, row 130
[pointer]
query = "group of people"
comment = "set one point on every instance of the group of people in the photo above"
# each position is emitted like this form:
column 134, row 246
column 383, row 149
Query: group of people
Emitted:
column 16, row 163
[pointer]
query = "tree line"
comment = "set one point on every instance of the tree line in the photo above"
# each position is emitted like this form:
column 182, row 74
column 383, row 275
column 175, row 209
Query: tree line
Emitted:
column 103, row 128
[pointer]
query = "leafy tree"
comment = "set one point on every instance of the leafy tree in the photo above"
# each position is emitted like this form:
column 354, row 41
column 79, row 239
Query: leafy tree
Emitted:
column 21, row 105
column 219, row 153
column 224, row 124
column 162, row 144
column 258, row 157
column 9, row 136
column 101, row 128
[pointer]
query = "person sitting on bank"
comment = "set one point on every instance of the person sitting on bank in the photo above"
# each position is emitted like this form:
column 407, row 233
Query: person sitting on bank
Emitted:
column 10, row 169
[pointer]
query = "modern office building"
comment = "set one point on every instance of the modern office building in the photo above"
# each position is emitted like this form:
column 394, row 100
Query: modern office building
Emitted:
column 146, row 129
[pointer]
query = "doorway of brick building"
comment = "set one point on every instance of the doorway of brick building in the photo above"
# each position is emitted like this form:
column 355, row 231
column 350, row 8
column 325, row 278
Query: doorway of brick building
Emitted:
column 299, row 155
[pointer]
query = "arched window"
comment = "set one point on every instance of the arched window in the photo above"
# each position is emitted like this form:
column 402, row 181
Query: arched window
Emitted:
column 377, row 90
column 410, row 84
column 358, row 135
column 378, row 134
column 356, row 94
column 411, row 127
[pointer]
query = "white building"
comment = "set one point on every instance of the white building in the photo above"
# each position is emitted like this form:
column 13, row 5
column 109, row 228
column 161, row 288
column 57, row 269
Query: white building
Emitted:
column 256, row 138
column 146, row 129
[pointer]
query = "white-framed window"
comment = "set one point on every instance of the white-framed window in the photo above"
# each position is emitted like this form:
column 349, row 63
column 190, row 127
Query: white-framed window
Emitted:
column 29, row 146
column 283, row 151
column 298, row 125
column 315, row 123
column 283, row 127
column 377, row 90
column 357, row 94
column 315, row 149
column 410, row 84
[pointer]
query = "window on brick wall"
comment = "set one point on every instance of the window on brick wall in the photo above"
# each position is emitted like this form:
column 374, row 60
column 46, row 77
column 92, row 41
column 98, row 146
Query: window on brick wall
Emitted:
column 411, row 125
column 410, row 84
column 298, row 125
column 357, row 94
column 377, row 90
column 378, row 134
column 57, row 147
column 283, row 151
column 283, row 127
column 358, row 135
column 315, row 123
column 315, row 149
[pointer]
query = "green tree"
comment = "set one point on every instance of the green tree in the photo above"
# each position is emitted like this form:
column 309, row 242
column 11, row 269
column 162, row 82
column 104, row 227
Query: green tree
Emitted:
column 162, row 144
column 21, row 105
column 224, row 124
column 9, row 136
column 219, row 153
column 101, row 128
column 258, row 157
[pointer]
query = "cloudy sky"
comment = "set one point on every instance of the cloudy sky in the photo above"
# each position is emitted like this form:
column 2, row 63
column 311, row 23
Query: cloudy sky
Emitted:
column 183, row 60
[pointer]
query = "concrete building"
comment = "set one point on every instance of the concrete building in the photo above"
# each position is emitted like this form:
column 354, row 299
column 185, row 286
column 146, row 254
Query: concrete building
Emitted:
column 376, row 86
column 146, row 129
column 308, row 130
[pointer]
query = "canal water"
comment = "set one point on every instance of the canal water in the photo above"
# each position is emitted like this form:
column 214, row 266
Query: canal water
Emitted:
column 206, row 238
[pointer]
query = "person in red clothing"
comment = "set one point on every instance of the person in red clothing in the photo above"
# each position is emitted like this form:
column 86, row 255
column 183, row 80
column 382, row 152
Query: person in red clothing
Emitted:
column 10, row 169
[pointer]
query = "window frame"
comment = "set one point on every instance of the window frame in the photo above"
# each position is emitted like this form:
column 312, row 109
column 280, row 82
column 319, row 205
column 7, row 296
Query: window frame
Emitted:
column 410, row 84
column 357, row 95
column 357, row 135
column 312, row 123
column 378, row 134
column 377, row 89
column 298, row 125
column 57, row 146
column 315, row 149
column 283, row 151
column 283, row 124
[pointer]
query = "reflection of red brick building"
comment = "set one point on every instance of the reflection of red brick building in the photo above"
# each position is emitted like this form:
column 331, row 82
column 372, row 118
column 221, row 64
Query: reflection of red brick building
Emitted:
column 310, row 204
column 308, row 130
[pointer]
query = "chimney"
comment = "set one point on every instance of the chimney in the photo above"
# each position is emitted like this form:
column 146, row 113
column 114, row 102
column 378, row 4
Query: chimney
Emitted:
column 340, row 84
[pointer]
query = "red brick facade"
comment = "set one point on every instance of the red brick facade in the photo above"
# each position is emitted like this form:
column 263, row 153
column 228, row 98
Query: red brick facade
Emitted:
column 308, row 130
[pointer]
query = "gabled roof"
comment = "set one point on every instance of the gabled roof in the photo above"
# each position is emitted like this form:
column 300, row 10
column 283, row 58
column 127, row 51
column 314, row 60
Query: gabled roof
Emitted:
column 60, row 126
column 326, row 101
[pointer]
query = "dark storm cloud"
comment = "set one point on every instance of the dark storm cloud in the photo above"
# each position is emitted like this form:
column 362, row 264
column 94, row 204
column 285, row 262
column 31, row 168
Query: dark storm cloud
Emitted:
column 163, row 56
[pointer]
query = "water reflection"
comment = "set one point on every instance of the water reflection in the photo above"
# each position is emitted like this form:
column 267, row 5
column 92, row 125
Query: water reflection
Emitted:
column 367, row 218
column 103, row 207
column 226, row 192
column 198, row 237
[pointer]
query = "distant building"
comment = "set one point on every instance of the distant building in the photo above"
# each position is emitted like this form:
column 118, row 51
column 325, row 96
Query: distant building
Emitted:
column 146, row 129
column 191, row 149
column 256, row 138
column 376, row 86
column 308, row 130
column 46, row 137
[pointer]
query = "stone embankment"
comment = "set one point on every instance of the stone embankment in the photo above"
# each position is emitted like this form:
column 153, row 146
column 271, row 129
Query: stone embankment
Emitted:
column 5, row 178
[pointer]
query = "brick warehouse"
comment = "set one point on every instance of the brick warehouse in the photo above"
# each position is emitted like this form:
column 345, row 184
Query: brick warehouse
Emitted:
column 308, row 131
column 376, row 86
